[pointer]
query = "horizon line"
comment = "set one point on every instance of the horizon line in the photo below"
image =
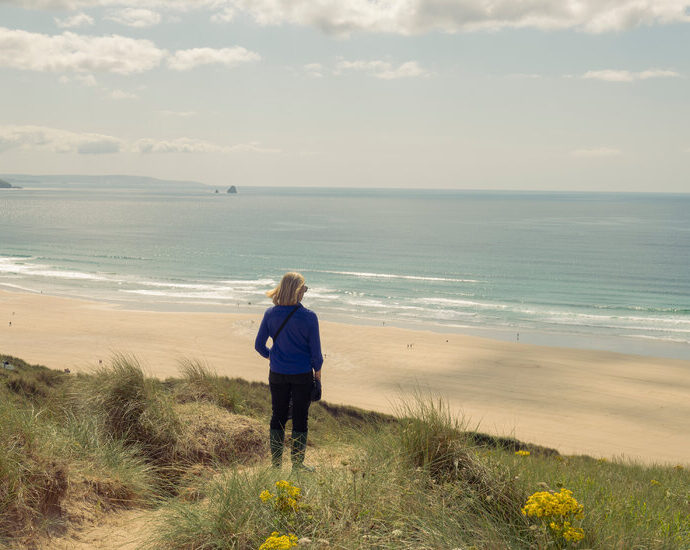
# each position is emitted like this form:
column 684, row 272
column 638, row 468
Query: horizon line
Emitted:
column 355, row 187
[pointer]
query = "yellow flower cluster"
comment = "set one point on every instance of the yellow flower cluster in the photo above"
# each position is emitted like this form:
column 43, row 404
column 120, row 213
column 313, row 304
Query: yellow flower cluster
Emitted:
column 286, row 499
column 559, row 510
column 655, row 482
column 545, row 504
column 522, row 453
column 279, row 542
column 567, row 531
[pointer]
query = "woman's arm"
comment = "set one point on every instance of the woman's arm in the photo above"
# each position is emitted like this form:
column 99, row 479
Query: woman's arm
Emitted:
column 262, row 338
column 315, row 348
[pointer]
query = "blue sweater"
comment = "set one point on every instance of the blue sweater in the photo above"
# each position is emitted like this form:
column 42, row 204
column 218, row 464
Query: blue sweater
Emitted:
column 298, row 347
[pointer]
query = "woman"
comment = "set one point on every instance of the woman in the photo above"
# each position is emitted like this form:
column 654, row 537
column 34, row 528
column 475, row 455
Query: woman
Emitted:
column 295, row 359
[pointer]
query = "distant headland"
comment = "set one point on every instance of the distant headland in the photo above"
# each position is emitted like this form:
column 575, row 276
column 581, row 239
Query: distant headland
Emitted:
column 7, row 185
column 108, row 181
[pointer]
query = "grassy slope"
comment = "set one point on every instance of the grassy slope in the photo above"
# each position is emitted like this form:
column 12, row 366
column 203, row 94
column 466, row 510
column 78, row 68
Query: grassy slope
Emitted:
column 73, row 447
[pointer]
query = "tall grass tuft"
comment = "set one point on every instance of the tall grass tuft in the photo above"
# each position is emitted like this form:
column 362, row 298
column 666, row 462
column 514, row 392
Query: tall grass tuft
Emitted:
column 134, row 408
column 430, row 435
column 114, row 469
column 32, row 481
column 201, row 383
column 434, row 440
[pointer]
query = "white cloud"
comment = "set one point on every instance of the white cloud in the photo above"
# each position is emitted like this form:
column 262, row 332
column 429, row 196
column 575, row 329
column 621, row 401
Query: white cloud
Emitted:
column 599, row 152
column 135, row 17
column 610, row 75
column 120, row 94
column 64, row 141
column 190, row 145
column 83, row 79
column 382, row 69
column 184, row 60
column 225, row 16
column 419, row 16
column 410, row 17
column 118, row 54
column 524, row 76
column 251, row 147
column 72, row 52
column 168, row 5
column 59, row 141
column 79, row 20
column 410, row 69
column 315, row 70
column 179, row 145
column 102, row 146
column 183, row 114
column 86, row 79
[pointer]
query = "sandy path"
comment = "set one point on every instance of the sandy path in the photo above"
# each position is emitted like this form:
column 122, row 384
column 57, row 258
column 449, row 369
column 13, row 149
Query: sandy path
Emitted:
column 125, row 530
column 599, row 403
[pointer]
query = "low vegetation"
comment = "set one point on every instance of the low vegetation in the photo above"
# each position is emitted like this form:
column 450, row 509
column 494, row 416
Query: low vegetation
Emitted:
column 193, row 448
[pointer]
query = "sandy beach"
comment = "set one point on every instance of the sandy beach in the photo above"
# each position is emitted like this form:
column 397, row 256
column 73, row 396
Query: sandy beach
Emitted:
column 580, row 402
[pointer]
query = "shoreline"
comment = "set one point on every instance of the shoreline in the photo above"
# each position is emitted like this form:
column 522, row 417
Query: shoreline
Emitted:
column 578, row 401
column 626, row 344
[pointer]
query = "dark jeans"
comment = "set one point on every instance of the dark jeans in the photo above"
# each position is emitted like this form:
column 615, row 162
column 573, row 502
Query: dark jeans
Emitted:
column 283, row 387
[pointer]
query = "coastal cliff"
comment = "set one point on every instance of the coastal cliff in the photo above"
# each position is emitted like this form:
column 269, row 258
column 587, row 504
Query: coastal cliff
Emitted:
column 7, row 185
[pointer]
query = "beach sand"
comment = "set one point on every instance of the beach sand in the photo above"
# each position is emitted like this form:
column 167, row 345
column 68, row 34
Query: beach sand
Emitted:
column 578, row 401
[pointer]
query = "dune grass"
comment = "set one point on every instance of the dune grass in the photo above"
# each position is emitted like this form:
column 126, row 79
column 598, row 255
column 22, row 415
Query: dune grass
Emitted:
column 195, row 446
column 627, row 505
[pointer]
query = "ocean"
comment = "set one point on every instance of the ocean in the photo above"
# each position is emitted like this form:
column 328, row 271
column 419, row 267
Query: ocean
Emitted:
column 590, row 270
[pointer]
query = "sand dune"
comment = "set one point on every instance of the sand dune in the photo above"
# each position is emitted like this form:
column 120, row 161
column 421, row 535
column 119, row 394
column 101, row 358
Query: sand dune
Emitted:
column 578, row 401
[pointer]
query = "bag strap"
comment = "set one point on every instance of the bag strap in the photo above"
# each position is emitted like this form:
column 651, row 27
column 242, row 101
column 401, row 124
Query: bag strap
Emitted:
column 284, row 323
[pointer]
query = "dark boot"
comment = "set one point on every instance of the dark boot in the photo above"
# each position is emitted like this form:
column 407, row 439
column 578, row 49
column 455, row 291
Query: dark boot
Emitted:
column 277, row 439
column 299, row 447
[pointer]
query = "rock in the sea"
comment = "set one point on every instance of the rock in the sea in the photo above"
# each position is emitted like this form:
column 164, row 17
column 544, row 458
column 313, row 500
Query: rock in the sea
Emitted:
column 232, row 189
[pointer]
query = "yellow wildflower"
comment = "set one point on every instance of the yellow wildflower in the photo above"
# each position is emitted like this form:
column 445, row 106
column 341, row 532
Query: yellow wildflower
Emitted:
column 279, row 542
column 287, row 497
column 557, row 511
column 522, row 453
column 572, row 534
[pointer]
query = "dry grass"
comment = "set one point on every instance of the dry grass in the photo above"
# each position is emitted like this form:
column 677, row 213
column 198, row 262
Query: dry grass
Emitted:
column 211, row 434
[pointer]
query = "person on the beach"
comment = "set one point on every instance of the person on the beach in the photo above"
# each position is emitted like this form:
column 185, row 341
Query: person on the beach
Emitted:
column 295, row 361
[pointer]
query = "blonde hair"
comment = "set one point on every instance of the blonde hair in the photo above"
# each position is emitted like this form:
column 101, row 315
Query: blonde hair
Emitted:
column 287, row 293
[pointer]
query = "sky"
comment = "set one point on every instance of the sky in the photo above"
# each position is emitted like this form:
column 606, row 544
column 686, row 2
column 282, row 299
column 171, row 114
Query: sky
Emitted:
column 572, row 95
